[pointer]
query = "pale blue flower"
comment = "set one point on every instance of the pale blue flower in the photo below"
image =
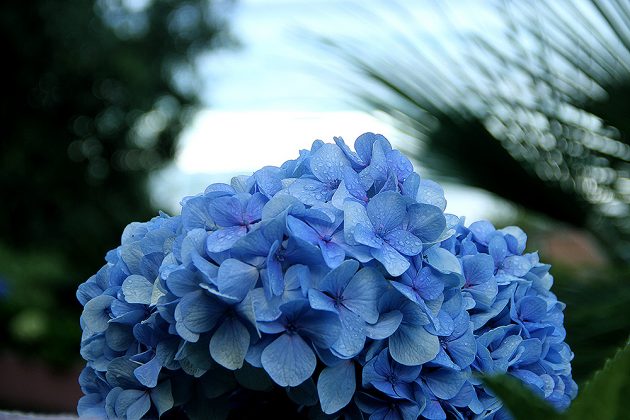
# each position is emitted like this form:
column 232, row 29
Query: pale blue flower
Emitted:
column 334, row 266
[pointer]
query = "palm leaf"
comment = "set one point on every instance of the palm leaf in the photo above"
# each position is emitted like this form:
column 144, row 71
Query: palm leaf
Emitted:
column 535, row 114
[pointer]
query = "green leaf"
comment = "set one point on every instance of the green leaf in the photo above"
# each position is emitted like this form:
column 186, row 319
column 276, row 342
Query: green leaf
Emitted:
column 519, row 400
column 607, row 395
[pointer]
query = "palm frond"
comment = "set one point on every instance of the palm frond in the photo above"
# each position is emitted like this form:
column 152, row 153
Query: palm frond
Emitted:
column 535, row 111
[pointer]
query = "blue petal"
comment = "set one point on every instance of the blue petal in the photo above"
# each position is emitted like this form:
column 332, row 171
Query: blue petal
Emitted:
column 433, row 411
column 482, row 231
column 96, row 313
column 404, row 242
column 431, row 285
column 375, row 368
column 132, row 404
column 360, row 253
column 87, row 291
column 208, row 269
column 427, row 222
column 351, row 338
column 265, row 310
column 336, row 281
column 268, row 180
column 354, row 214
column 517, row 245
column 412, row 345
column 387, row 325
column 445, row 383
column 194, row 243
column 223, row 239
column 273, row 279
column 182, row 282
column 229, row 344
column 336, row 386
column 198, row 312
column 120, row 373
column 442, row 260
column 236, row 278
column 255, row 351
column 328, row 162
column 341, row 195
column 227, row 211
column 279, row 204
column 91, row 406
column 394, row 263
column 354, row 159
column 320, row 301
column 294, row 276
column 430, row 192
column 406, row 373
column 303, row 231
column 463, row 349
column 386, row 211
column 362, row 292
column 478, row 268
column 364, row 145
column 333, row 254
column 408, row 410
column 288, row 360
column 516, row 265
column 484, row 293
column 497, row 248
column 119, row 337
column 130, row 317
column 399, row 164
column 532, row 349
column 196, row 214
column 365, row 235
column 322, row 327
column 162, row 397
column 254, row 209
column 310, row 191
column 377, row 170
column 148, row 373
column 353, row 185
column 532, row 308
column 137, row 289
column 259, row 241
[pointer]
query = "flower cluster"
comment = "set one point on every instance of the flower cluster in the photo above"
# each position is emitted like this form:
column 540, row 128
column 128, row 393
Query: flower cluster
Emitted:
column 337, row 275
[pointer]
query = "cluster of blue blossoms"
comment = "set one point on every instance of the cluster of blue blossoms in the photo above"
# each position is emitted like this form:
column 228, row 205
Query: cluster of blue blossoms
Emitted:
column 338, row 275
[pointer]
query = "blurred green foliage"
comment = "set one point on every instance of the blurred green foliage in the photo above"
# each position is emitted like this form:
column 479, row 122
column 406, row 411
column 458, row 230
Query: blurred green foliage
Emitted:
column 596, row 316
column 96, row 95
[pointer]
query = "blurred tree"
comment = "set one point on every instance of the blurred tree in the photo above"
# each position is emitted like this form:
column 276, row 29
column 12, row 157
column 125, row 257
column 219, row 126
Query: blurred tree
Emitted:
column 96, row 95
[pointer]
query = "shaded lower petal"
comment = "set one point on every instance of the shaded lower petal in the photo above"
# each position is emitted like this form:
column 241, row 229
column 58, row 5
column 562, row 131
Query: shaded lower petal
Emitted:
column 288, row 360
column 229, row 344
column 412, row 345
column 336, row 386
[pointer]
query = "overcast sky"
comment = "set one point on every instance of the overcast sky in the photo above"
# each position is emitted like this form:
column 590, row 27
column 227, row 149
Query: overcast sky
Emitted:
column 277, row 93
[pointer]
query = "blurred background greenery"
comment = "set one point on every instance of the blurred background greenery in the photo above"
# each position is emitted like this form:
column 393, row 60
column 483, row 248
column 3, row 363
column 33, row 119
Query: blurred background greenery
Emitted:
column 534, row 113
column 97, row 94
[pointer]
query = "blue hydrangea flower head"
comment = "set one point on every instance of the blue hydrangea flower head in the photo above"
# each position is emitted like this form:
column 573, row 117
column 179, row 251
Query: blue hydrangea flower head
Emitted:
column 337, row 280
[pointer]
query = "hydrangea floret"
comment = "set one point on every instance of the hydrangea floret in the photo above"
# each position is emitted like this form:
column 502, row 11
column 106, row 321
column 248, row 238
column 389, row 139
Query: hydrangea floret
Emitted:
column 337, row 280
